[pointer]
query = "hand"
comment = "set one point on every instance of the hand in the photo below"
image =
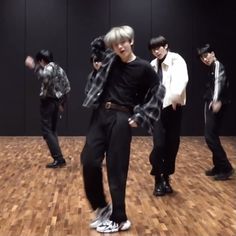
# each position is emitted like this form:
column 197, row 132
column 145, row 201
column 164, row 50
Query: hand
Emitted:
column 132, row 123
column 215, row 105
column 29, row 62
column 174, row 105
column 97, row 65
column 61, row 108
column 175, row 98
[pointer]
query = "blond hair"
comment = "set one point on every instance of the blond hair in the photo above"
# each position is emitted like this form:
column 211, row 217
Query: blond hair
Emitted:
column 118, row 34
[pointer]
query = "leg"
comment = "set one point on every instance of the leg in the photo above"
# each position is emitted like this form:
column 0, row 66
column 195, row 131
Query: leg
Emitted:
column 49, row 117
column 157, row 156
column 119, row 139
column 173, row 127
column 212, row 125
column 158, row 152
column 91, row 158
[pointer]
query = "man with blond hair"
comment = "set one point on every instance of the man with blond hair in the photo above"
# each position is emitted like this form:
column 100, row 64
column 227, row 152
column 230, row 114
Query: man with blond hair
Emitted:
column 124, row 93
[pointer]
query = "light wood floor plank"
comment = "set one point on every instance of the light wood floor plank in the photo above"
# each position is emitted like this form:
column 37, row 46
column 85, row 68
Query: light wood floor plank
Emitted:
column 35, row 201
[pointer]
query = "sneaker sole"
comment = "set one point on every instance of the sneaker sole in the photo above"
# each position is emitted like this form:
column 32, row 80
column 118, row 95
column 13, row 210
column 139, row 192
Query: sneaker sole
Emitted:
column 226, row 177
column 105, row 216
column 55, row 167
column 120, row 228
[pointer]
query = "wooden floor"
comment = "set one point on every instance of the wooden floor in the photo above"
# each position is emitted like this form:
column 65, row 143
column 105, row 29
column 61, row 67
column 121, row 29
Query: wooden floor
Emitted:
column 35, row 201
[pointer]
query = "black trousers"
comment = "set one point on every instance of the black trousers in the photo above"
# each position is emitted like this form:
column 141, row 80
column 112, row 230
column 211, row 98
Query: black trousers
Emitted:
column 166, row 140
column 212, row 125
column 49, row 109
column 109, row 135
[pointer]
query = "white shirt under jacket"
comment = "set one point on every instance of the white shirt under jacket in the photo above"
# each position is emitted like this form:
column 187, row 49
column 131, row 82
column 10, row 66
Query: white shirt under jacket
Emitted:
column 174, row 78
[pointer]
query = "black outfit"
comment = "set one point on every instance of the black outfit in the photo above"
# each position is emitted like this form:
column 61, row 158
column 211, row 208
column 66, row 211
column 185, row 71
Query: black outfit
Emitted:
column 109, row 132
column 49, row 110
column 54, row 91
column 166, row 140
column 216, row 90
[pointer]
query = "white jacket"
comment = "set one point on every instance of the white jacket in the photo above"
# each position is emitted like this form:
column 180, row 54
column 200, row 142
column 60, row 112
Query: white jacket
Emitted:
column 174, row 78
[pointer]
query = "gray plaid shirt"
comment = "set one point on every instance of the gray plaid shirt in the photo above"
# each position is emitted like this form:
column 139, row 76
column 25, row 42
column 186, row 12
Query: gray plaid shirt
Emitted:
column 55, row 83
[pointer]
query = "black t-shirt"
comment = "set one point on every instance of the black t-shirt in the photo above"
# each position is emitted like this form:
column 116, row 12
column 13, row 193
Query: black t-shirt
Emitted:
column 128, row 83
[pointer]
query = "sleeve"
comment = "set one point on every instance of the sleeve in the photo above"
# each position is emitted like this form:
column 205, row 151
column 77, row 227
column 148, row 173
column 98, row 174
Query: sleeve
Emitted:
column 63, row 100
column 149, row 111
column 179, row 77
column 89, row 82
column 44, row 73
column 220, row 81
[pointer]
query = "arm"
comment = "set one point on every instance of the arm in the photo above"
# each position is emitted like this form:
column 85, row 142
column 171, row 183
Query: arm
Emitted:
column 29, row 62
column 220, row 81
column 179, row 80
column 41, row 72
column 149, row 112
column 220, row 84
column 89, row 82
column 44, row 73
column 62, row 102
column 98, row 81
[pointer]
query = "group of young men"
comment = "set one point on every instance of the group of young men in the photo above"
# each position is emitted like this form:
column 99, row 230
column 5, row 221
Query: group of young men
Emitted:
column 126, row 91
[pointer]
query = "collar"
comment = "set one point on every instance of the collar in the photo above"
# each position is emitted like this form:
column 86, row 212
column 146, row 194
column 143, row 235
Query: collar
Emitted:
column 168, row 59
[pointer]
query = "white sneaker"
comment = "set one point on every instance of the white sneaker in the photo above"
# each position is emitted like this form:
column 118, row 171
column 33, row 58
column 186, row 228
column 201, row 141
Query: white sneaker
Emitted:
column 109, row 226
column 102, row 214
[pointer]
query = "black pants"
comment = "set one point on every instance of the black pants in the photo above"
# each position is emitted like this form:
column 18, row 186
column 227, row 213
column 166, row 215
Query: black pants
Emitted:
column 49, row 109
column 109, row 134
column 166, row 140
column 212, row 126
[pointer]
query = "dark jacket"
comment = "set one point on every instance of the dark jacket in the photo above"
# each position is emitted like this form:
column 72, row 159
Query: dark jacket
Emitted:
column 217, row 85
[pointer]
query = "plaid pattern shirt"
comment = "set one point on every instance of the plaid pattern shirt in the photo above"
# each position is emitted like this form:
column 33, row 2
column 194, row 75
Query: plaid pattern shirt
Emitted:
column 55, row 83
column 145, row 114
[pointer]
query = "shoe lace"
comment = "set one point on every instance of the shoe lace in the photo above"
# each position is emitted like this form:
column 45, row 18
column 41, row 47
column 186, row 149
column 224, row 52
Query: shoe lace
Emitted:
column 110, row 224
column 167, row 179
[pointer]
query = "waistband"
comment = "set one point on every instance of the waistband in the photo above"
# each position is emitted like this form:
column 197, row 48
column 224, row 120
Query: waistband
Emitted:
column 113, row 106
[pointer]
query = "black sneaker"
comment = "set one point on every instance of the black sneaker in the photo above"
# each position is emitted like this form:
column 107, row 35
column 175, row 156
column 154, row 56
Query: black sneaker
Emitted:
column 224, row 176
column 167, row 186
column 211, row 172
column 56, row 164
column 159, row 189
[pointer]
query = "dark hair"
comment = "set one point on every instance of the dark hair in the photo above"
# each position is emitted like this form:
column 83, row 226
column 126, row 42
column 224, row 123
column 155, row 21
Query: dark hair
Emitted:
column 204, row 49
column 44, row 55
column 98, row 49
column 157, row 42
